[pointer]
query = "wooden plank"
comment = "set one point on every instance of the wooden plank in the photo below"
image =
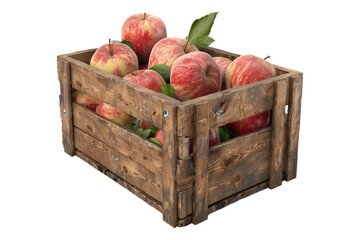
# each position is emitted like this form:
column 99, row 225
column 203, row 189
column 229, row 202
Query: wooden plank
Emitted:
column 293, row 127
column 169, row 164
column 138, row 192
column 83, row 56
column 124, row 95
column 278, row 140
column 184, row 203
column 64, row 76
column 200, row 161
column 120, row 165
column 238, row 164
column 232, row 104
column 125, row 141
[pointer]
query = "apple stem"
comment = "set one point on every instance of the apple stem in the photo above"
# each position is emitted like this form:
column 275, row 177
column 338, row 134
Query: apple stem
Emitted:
column 144, row 15
column 186, row 44
column 111, row 52
column 267, row 57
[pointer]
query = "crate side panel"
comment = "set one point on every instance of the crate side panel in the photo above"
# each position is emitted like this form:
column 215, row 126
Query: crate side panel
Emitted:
column 120, row 165
column 238, row 164
column 128, row 143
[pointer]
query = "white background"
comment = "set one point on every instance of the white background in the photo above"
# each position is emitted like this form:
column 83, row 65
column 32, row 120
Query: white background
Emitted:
column 46, row 194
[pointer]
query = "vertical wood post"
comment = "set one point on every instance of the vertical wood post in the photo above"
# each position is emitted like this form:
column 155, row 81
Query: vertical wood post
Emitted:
column 66, row 106
column 278, row 134
column 169, row 164
column 293, row 127
column 200, row 161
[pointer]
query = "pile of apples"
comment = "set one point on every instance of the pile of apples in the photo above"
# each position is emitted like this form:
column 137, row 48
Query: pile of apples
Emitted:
column 177, row 68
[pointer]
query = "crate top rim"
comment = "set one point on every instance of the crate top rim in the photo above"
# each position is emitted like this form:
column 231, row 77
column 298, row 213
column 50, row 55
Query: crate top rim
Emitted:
column 291, row 73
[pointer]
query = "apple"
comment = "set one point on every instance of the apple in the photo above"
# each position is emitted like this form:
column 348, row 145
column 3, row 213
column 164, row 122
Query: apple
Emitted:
column 115, row 58
column 194, row 75
column 84, row 99
column 147, row 78
column 167, row 50
column 143, row 31
column 158, row 135
column 244, row 70
column 144, row 125
column 111, row 113
column 223, row 63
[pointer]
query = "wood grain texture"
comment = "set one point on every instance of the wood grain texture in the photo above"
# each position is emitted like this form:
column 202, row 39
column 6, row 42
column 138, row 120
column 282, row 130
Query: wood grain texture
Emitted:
column 125, row 141
column 138, row 192
column 238, row 164
column 169, row 164
column 278, row 139
column 200, row 161
column 120, row 165
column 124, row 95
column 64, row 75
column 293, row 127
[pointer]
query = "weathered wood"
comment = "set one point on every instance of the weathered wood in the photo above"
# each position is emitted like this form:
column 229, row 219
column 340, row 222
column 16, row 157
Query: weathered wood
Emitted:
column 169, row 164
column 65, row 105
column 184, row 147
column 83, row 56
column 138, row 192
column 124, row 95
column 184, row 203
column 123, row 140
column 184, row 186
column 293, row 127
column 232, row 104
column 120, row 165
column 200, row 161
column 238, row 164
column 278, row 140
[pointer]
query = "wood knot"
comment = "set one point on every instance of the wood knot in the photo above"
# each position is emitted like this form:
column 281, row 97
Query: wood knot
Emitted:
column 89, row 127
column 228, row 162
column 125, row 169
column 158, row 185
column 237, row 178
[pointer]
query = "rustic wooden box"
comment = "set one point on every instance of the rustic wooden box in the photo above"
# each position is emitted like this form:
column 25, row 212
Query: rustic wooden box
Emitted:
column 184, row 187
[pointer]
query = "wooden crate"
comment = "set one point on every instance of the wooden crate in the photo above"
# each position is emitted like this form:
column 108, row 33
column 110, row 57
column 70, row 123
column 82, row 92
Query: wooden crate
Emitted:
column 184, row 186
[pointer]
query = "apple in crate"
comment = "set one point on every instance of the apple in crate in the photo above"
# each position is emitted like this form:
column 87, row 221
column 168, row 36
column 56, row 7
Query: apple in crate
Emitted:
column 84, row 99
column 167, row 50
column 115, row 58
column 244, row 70
column 194, row 75
column 143, row 31
column 147, row 78
column 111, row 113
column 223, row 63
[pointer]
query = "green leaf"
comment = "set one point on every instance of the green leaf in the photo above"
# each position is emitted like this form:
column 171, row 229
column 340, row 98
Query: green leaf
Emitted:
column 154, row 140
column 135, row 125
column 224, row 134
column 201, row 28
column 143, row 133
column 163, row 70
column 168, row 90
column 154, row 130
column 204, row 42
column 124, row 42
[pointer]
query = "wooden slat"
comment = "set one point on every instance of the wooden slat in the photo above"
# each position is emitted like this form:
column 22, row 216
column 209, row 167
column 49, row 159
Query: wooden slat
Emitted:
column 278, row 140
column 232, row 104
column 65, row 105
column 138, row 192
column 200, row 161
column 124, row 95
column 238, row 164
column 120, row 165
column 169, row 164
column 293, row 127
column 83, row 56
column 128, row 143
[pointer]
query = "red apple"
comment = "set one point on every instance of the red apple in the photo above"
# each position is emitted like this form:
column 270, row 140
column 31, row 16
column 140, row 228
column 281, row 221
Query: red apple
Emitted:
column 244, row 70
column 143, row 31
column 158, row 135
column 167, row 50
column 115, row 58
column 147, row 78
column 194, row 75
column 223, row 63
column 144, row 125
column 84, row 99
column 113, row 114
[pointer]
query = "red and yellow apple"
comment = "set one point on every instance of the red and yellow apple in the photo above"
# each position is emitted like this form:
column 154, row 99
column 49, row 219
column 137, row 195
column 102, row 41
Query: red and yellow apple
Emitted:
column 111, row 113
column 244, row 70
column 223, row 63
column 194, row 75
column 84, row 99
column 147, row 78
column 115, row 58
column 143, row 31
column 167, row 50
